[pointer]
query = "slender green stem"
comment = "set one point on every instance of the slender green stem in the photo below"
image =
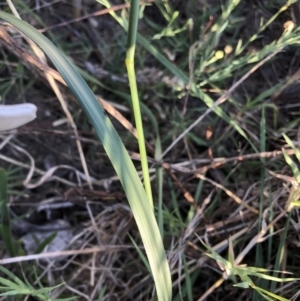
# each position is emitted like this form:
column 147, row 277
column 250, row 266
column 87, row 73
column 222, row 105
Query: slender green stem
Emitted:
column 132, row 32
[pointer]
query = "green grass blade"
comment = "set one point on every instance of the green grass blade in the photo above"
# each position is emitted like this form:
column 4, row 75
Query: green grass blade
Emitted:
column 266, row 293
column 292, row 164
column 188, row 283
column 131, row 43
column 141, row 254
column 280, row 252
column 12, row 276
column 9, row 284
column 117, row 154
column 5, row 218
column 159, row 170
column 44, row 243
column 292, row 145
column 159, row 178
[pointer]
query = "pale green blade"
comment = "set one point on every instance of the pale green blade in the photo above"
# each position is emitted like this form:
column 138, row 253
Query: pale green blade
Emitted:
column 118, row 155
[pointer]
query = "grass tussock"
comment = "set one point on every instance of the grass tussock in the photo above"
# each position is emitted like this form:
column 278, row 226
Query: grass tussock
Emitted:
column 218, row 85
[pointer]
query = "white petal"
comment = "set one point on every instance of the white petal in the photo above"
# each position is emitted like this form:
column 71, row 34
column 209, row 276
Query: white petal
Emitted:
column 13, row 116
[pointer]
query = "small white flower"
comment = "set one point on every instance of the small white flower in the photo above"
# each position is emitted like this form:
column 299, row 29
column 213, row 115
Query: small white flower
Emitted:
column 13, row 116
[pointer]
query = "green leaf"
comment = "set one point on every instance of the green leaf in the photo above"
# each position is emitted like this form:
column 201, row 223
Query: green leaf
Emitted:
column 292, row 165
column 12, row 276
column 117, row 154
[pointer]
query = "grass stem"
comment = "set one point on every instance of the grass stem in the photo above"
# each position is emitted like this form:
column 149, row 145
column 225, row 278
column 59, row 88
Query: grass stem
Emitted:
column 131, row 43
